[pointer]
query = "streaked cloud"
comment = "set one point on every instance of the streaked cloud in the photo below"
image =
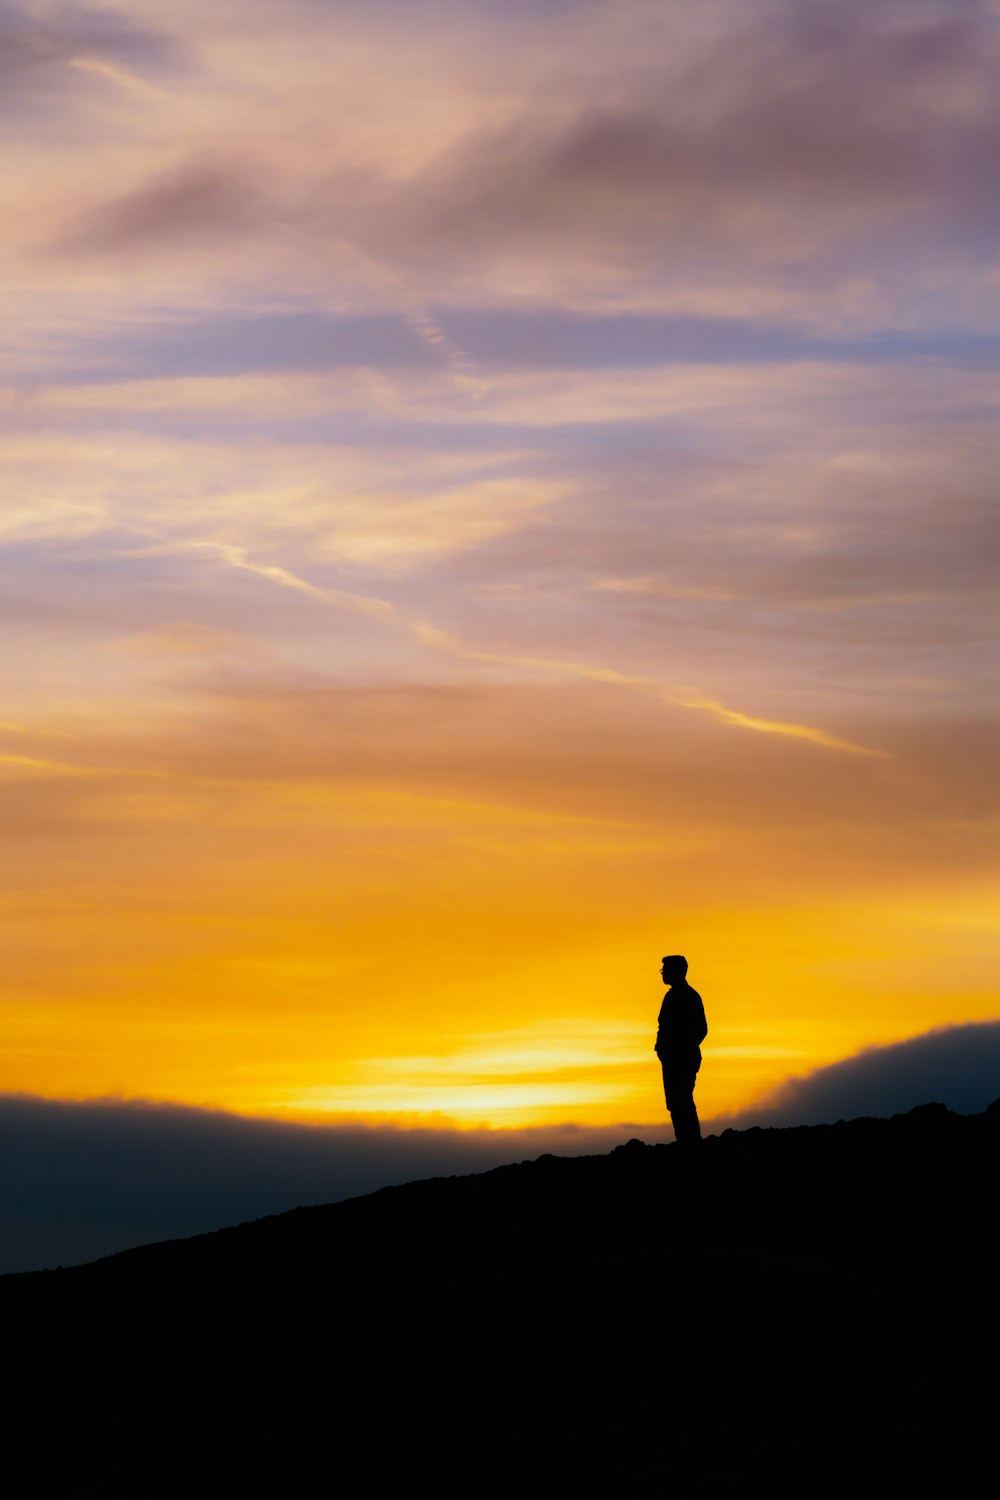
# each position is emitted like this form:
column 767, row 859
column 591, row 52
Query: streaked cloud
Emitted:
column 133, row 83
column 793, row 731
column 194, row 200
column 38, row 43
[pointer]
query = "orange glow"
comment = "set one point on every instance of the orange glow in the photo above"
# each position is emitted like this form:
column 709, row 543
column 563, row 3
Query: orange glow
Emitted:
column 379, row 954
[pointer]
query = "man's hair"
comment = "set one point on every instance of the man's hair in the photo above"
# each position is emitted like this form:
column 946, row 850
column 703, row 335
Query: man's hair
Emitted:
column 675, row 961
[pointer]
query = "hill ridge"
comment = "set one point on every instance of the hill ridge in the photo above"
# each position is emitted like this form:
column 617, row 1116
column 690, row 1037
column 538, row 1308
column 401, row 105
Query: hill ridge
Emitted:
column 744, row 1301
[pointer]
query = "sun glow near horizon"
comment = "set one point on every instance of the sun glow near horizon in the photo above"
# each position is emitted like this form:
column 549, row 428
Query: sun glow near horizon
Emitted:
column 387, row 1032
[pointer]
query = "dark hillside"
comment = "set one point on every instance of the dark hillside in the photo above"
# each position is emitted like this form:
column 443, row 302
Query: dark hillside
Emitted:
column 802, row 1312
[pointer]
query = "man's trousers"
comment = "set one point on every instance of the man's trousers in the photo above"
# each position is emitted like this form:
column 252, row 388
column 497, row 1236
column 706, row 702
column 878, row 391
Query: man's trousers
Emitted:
column 678, row 1087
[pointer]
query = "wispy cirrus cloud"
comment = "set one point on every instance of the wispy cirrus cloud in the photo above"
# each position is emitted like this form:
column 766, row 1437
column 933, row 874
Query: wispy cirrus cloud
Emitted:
column 425, row 631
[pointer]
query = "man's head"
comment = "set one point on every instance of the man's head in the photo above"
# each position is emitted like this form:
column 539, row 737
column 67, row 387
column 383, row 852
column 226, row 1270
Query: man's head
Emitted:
column 674, row 968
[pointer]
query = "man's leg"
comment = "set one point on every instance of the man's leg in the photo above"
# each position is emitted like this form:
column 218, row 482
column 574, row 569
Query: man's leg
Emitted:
column 678, row 1088
column 692, row 1125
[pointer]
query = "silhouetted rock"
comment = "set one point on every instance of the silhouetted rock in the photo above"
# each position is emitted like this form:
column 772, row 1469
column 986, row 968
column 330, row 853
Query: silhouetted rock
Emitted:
column 806, row 1311
column 632, row 1146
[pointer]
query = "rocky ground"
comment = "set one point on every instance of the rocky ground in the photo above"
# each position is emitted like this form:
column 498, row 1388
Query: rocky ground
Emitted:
column 803, row 1312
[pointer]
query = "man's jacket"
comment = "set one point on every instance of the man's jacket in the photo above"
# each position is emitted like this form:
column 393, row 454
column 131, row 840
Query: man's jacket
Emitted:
column 681, row 1025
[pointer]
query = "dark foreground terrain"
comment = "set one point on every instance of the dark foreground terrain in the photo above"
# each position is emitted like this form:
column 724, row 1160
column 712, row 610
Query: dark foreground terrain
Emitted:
column 797, row 1312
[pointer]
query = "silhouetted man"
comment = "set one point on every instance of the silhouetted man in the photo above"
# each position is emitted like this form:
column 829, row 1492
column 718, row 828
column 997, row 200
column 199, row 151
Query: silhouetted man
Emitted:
column 681, row 1030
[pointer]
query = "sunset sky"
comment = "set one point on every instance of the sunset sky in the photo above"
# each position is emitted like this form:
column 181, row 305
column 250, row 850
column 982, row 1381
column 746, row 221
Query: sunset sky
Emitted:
column 494, row 492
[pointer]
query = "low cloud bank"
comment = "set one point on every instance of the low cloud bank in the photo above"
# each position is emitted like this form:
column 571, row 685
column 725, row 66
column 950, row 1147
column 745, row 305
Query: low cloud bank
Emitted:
column 957, row 1065
column 82, row 1180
